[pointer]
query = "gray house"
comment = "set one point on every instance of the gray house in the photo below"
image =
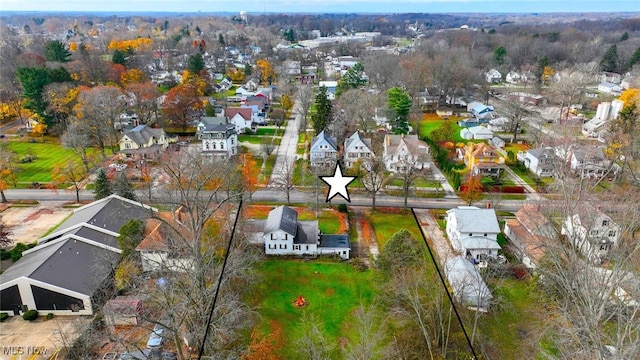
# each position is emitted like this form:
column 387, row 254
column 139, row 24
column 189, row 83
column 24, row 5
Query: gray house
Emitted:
column 324, row 150
column 539, row 161
column 466, row 283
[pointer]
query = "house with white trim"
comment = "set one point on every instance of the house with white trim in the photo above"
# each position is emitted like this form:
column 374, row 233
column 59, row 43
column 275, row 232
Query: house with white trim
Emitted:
column 591, row 231
column 284, row 234
column 323, row 150
column 473, row 232
column 356, row 147
column 142, row 141
column 402, row 151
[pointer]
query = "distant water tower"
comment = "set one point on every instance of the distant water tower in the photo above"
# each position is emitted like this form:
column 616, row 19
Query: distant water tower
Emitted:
column 243, row 16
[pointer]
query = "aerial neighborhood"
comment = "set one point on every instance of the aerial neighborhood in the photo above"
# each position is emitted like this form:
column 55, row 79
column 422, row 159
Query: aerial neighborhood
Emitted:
column 169, row 185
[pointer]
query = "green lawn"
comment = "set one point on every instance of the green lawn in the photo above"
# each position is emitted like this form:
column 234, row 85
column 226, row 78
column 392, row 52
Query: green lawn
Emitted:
column 268, row 168
column 264, row 131
column 519, row 313
column 388, row 222
column 333, row 291
column 428, row 126
column 47, row 155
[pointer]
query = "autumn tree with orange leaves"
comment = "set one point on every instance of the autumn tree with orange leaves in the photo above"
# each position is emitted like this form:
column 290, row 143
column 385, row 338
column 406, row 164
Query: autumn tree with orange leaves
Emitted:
column 471, row 190
column 180, row 105
column 70, row 176
column 250, row 171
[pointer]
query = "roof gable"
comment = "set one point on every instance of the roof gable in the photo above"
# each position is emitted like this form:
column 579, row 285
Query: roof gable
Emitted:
column 282, row 218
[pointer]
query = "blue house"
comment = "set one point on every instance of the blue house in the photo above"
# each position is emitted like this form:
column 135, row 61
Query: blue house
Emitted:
column 324, row 150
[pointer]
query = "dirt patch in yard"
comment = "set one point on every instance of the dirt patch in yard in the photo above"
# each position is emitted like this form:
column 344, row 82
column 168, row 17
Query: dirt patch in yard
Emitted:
column 28, row 223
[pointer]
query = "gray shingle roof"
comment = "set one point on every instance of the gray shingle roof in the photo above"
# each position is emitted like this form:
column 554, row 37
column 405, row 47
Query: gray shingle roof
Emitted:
column 142, row 133
column 69, row 264
column 282, row 218
column 324, row 136
column 307, row 232
column 109, row 213
column 471, row 219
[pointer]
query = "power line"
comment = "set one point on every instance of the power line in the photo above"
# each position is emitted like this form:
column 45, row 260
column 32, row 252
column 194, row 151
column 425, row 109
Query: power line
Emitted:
column 224, row 264
column 444, row 285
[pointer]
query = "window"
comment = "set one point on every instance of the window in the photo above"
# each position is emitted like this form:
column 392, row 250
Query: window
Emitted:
column 127, row 145
column 231, row 141
column 604, row 246
column 284, row 236
column 612, row 233
column 206, row 145
column 273, row 236
column 605, row 222
column 221, row 145
column 470, row 234
column 307, row 247
column 296, row 247
column 485, row 234
column 594, row 232
column 213, row 144
column 283, row 246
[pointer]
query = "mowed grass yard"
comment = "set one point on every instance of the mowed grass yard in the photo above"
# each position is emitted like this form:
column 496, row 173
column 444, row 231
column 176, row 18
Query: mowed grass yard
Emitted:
column 388, row 221
column 333, row 292
column 48, row 155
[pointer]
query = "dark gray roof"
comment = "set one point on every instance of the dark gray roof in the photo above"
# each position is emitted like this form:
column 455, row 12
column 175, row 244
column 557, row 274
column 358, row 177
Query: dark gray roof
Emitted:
column 307, row 232
column 542, row 153
column 335, row 241
column 282, row 218
column 95, row 235
column 213, row 120
column 70, row 264
column 109, row 213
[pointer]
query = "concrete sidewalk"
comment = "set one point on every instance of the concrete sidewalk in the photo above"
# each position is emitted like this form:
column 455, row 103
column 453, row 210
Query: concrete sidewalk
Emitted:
column 435, row 236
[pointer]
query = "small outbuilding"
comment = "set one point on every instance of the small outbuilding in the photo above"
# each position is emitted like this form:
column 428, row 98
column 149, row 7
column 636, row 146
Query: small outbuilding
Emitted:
column 122, row 311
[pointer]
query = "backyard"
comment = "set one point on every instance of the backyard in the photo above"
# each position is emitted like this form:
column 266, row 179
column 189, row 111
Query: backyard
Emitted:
column 333, row 292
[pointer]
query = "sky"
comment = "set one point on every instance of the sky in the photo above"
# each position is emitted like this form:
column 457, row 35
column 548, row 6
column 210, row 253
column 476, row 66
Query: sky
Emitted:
column 324, row 6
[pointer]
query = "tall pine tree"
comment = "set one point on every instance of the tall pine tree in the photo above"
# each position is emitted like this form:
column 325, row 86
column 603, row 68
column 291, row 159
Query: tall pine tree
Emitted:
column 122, row 187
column 324, row 111
column 610, row 60
column 635, row 58
column 400, row 104
column 102, row 185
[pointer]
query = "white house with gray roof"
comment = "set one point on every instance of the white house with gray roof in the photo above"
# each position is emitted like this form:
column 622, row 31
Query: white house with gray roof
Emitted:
column 473, row 232
column 69, row 268
column 218, row 136
column 402, row 151
column 357, row 147
column 283, row 234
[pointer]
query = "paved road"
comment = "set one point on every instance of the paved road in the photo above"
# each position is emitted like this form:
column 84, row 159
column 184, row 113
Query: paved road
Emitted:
column 271, row 195
column 286, row 153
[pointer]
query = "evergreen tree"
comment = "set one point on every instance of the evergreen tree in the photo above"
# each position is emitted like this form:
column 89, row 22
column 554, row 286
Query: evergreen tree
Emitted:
column 499, row 55
column 102, row 185
column 400, row 104
column 57, row 51
column 542, row 63
column 624, row 37
column 635, row 58
column 122, row 187
column 119, row 57
column 324, row 111
column 610, row 60
column 196, row 63
column 221, row 40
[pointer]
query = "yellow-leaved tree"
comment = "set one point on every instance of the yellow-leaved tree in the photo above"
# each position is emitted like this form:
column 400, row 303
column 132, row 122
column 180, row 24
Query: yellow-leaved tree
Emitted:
column 265, row 69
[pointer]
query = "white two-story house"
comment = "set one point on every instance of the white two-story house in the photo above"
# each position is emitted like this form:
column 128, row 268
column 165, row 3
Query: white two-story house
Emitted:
column 219, row 137
column 473, row 232
column 541, row 161
column 402, row 151
column 285, row 235
column 591, row 231
column 356, row 147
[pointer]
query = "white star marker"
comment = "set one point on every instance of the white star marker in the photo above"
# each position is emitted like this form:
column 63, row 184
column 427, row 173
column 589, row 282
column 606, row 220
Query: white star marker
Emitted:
column 338, row 184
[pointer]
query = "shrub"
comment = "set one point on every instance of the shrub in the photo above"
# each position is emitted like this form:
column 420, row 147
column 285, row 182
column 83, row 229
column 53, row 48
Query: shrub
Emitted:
column 3, row 317
column 30, row 315
column 49, row 316
column 4, row 254
column 342, row 208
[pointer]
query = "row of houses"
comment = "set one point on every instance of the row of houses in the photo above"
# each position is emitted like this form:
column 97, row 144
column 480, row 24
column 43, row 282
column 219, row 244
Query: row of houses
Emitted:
column 585, row 161
column 398, row 151
column 473, row 234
